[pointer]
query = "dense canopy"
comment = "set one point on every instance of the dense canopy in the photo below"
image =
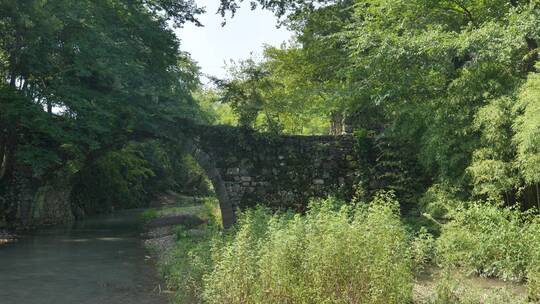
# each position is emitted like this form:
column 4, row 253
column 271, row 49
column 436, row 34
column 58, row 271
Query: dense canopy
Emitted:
column 441, row 92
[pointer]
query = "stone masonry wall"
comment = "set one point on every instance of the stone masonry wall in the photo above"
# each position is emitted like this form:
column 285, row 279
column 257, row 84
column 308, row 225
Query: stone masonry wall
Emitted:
column 26, row 202
column 279, row 171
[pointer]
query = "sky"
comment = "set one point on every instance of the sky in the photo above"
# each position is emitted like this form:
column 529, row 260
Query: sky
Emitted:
column 245, row 34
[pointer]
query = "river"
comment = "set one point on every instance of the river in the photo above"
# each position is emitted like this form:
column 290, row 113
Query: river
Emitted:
column 99, row 260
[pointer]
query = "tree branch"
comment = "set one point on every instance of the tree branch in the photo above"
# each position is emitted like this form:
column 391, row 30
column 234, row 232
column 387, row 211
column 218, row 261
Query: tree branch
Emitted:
column 467, row 12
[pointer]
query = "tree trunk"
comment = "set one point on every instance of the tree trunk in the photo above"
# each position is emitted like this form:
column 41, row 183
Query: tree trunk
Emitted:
column 13, row 80
column 537, row 196
column 5, row 159
column 7, row 150
column 3, row 145
column 336, row 124
column 3, row 164
column 532, row 57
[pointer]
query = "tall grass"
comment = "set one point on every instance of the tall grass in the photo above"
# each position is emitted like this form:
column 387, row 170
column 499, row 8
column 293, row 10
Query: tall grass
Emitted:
column 487, row 240
column 491, row 241
column 359, row 253
column 187, row 263
column 334, row 254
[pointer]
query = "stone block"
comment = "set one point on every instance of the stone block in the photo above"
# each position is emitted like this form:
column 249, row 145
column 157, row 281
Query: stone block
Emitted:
column 233, row 171
column 231, row 159
column 318, row 181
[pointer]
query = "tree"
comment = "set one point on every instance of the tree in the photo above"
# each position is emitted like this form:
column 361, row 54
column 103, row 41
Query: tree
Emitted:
column 527, row 133
column 104, row 71
column 81, row 81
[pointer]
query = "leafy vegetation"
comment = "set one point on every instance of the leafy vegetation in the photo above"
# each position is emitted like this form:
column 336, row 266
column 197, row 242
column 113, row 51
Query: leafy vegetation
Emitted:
column 487, row 240
column 451, row 83
column 360, row 253
column 88, row 90
column 491, row 241
column 442, row 96
column 77, row 91
column 335, row 253
column 338, row 252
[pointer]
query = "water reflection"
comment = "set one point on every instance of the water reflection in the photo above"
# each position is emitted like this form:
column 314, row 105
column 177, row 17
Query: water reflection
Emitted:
column 98, row 260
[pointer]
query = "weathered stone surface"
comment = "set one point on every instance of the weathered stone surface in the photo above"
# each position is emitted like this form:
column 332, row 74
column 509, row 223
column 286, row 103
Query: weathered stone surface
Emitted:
column 233, row 171
column 318, row 181
column 52, row 206
column 29, row 202
column 279, row 171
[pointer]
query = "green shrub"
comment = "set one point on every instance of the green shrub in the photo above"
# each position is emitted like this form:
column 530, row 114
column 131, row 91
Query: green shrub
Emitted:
column 184, row 267
column 212, row 211
column 491, row 241
column 233, row 279
column 532, row 237
column 487, row 240
column 422, row 249
column 439, row 200
column 333, row 254
column 149, row 214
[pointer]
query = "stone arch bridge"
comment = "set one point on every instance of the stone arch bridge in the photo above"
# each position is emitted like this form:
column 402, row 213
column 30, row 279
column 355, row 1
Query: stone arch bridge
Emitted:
column 247, row 167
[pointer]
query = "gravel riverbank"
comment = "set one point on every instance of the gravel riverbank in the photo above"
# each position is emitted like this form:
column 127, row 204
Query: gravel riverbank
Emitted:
column 7, row 237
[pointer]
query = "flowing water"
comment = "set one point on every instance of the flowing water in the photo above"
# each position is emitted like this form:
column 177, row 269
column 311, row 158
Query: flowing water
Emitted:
column 99, row 260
